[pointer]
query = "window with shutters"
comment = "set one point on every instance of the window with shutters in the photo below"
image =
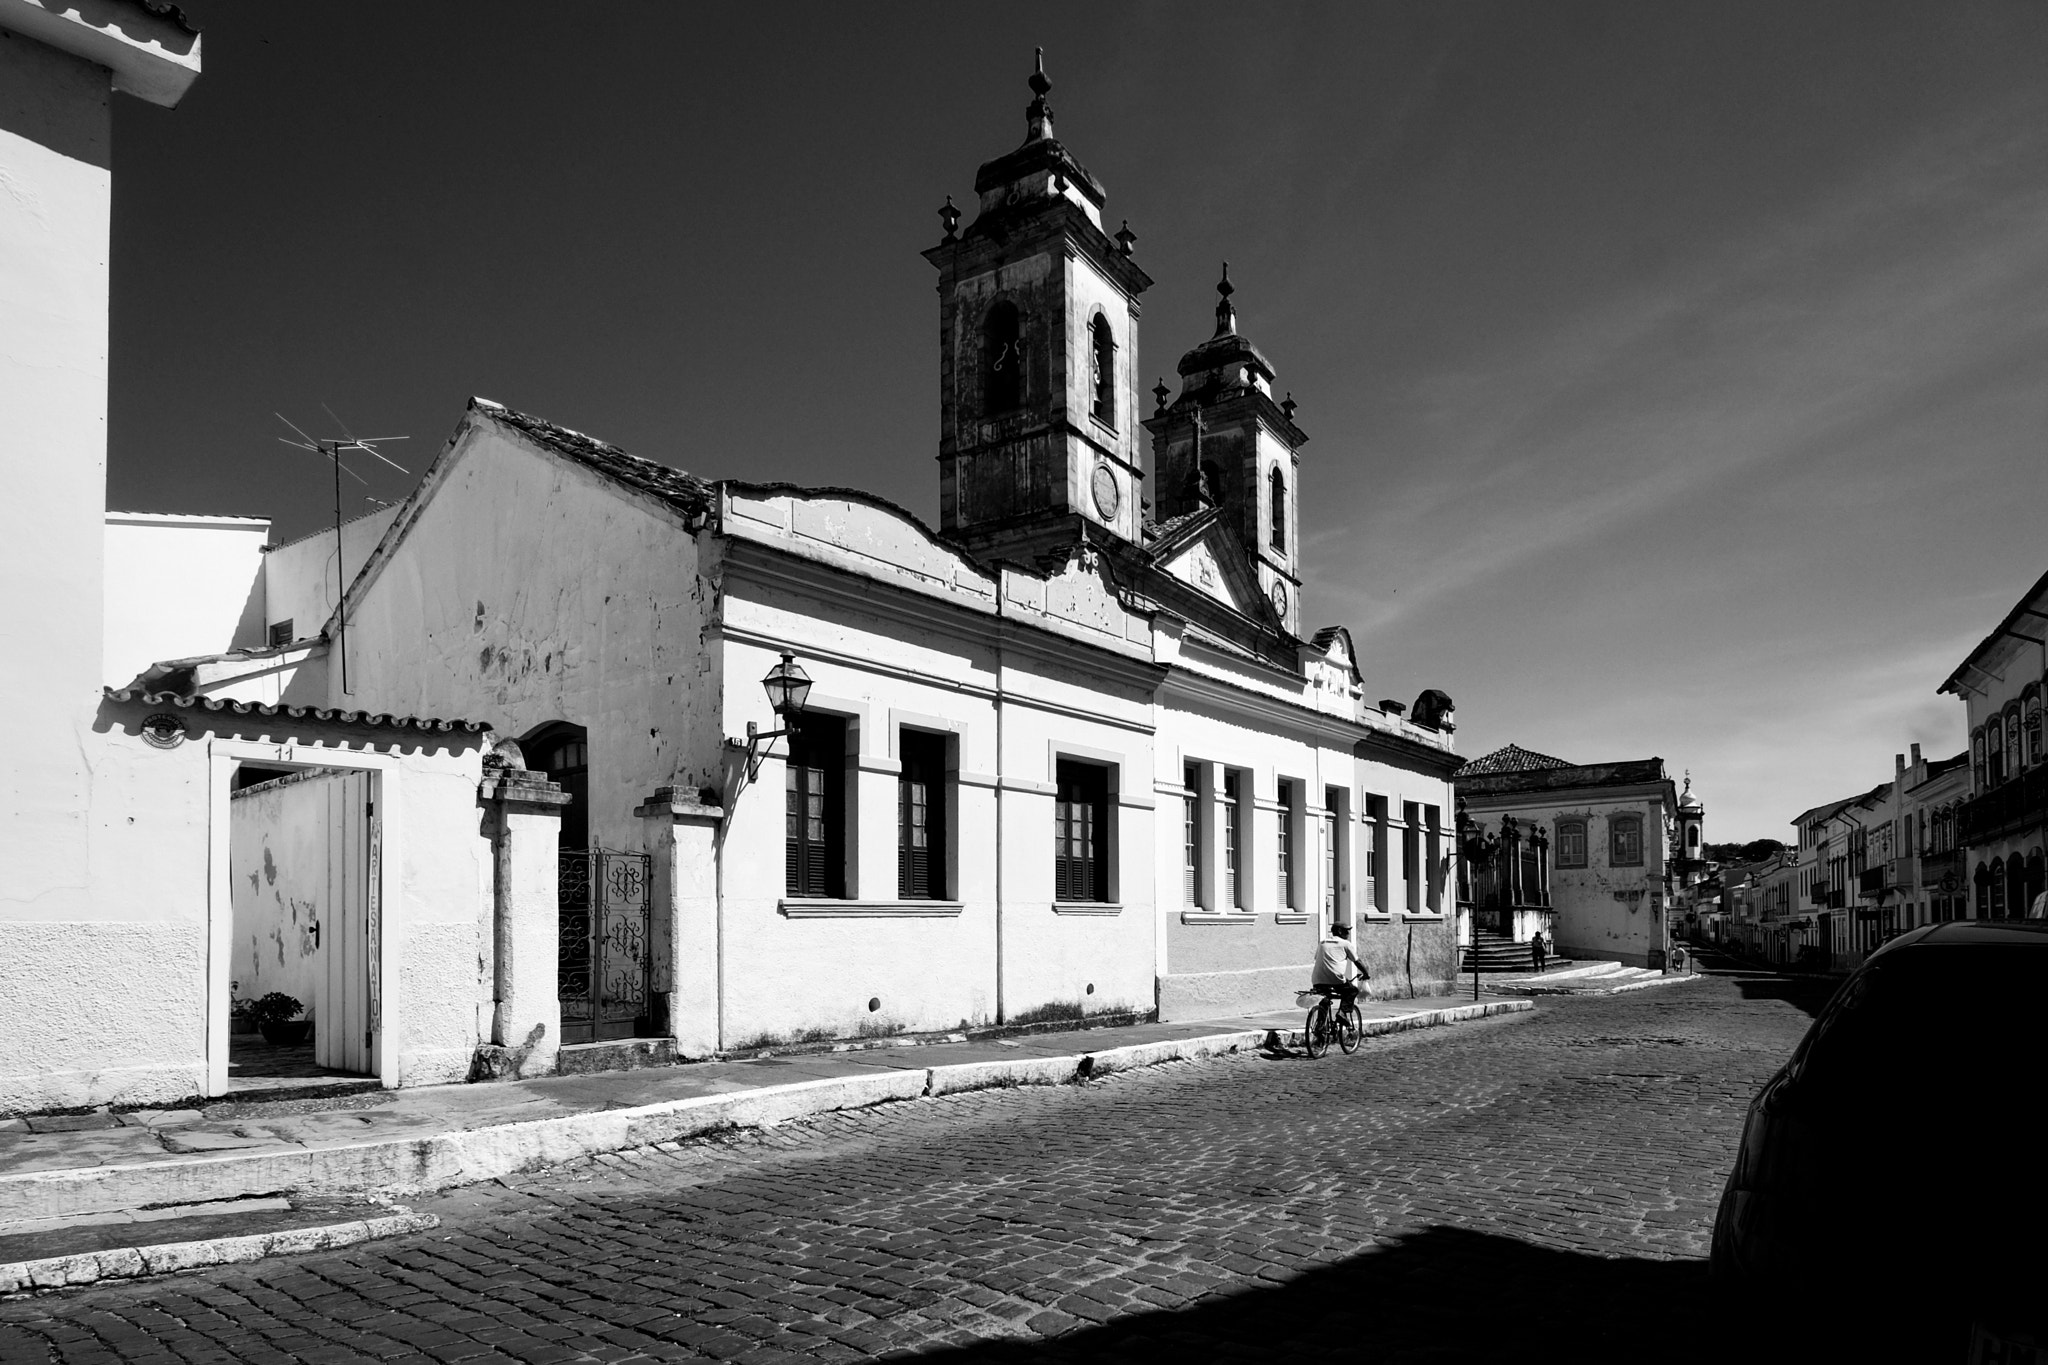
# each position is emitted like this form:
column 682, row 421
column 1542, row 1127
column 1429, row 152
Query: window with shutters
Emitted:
column 1332, row 821
column 1376, row 853
column 1191, row 837
column 815, row 822
column 921, row 817
column 1625, row 840
column 1411, row 854
column 1233, row 851
column 1433, row 855
column 1081, row 832
column 1284, row 862
column 1571, row 843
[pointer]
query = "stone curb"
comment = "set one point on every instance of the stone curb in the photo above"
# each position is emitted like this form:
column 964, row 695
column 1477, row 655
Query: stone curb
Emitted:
column 420, row 1165
column 90, row 1267
column 1569, row 989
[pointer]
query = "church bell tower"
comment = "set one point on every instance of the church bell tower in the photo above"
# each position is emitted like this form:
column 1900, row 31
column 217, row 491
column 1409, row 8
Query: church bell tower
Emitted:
column 1038, row 351
column 1225, row 443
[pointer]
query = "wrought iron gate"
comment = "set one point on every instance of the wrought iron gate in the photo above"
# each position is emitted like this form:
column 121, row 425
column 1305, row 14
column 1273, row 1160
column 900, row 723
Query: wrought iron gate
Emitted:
column 603, row 957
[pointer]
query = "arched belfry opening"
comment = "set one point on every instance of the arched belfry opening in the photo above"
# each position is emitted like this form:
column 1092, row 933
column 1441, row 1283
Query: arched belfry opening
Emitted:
column 1002, row 359
column 1102, row 353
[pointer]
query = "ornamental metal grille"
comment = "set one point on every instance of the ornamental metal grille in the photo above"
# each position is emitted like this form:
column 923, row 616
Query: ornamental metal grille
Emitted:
column 603, row 960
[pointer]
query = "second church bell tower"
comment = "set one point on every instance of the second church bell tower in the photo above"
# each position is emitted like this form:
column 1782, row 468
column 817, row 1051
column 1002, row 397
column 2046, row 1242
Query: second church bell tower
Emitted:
column 1038, row 351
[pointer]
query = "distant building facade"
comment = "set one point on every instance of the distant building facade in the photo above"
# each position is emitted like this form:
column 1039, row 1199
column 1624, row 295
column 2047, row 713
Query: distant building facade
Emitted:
column 1614, row 833
column 2002, row 683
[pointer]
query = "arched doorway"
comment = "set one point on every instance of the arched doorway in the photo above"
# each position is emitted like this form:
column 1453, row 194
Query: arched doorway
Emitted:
column 562, row 751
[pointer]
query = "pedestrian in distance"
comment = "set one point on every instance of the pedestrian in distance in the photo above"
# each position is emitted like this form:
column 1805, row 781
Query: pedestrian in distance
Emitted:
column 1536, row 950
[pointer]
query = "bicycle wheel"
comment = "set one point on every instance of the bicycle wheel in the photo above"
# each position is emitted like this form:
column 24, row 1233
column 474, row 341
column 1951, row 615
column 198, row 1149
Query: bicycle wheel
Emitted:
column 1350, row 1027
column 1315, row 1036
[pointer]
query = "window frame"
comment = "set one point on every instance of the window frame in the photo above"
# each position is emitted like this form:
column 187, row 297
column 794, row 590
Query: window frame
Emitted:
column 923, row 754
column 814, row 868
column 1411, row 856
column 1564, row 829
column 1285, row 863
column 1378, row 851
column 1191, row 836
column 1620, row 824
column 1230, row 838
column 1082, row 787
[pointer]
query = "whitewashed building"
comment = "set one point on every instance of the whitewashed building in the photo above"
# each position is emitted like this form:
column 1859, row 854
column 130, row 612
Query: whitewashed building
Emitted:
column 1071, row 753
column 1621, row 840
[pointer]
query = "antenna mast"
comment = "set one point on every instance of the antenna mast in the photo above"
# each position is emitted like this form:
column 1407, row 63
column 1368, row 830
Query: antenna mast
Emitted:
column 332, row 450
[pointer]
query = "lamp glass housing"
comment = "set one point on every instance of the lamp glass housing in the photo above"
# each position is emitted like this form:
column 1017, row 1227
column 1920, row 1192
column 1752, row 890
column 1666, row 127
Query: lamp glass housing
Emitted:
column 787, row 686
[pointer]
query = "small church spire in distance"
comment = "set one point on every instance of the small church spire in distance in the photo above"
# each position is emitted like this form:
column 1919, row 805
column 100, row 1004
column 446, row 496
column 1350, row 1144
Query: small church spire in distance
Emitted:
column 1226, row 316
column 1038, row 114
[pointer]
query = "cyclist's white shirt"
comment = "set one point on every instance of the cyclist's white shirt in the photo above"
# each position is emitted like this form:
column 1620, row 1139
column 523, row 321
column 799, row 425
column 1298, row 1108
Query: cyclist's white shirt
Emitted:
column 1334, row 966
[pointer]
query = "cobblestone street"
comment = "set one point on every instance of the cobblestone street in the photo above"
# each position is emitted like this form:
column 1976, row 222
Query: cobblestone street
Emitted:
column 1543, row 1183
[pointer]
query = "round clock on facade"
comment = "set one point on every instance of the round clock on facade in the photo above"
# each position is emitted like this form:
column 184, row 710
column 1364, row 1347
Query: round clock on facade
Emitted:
column 1108, row 497
column 1280, row 600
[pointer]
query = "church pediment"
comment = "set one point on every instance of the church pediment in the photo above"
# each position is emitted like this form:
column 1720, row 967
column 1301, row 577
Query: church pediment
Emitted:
column 1207, row 558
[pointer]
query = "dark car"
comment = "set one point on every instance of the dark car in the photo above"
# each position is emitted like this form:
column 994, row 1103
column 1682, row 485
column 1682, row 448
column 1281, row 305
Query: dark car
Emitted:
column 1891, row 1177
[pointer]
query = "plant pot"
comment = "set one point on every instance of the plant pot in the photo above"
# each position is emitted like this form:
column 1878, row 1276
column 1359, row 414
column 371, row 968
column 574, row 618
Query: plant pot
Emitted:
column 241, row 1024
column 290, row 1033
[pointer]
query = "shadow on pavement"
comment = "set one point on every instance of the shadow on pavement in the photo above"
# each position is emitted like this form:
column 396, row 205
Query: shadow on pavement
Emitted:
column 1445, row 1294
column 1805, row 993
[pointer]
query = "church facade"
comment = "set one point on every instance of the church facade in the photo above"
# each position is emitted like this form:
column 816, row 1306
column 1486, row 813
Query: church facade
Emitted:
column 1072, row 752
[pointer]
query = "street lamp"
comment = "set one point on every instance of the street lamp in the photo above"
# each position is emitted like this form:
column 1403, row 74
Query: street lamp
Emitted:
column 788, row 686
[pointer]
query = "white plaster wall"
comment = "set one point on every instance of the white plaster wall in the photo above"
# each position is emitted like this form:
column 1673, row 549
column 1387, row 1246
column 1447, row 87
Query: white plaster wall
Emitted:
column 178, row 587
column 277, row 864
column 103, row 994
column 299, row 577
column 529, row 590
column 55, row 191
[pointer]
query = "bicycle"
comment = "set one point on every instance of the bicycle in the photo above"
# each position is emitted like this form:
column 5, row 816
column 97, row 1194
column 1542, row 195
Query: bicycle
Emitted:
column 1342, row 1024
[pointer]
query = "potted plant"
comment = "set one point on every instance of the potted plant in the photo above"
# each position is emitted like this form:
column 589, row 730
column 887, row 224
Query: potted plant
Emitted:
column 277, row 1015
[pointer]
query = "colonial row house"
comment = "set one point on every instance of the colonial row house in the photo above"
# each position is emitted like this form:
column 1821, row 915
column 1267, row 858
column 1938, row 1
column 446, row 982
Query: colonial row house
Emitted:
column 2003, row 825
column 1591, row 854
column 815, row 769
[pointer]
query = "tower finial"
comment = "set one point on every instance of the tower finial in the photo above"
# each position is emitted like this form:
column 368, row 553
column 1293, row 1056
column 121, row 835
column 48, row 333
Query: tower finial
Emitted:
column 1226, row 316
column 1038, row 114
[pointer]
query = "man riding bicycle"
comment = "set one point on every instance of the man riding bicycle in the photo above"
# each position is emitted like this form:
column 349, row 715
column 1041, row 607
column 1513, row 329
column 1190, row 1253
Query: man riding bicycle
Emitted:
column 1338, row 971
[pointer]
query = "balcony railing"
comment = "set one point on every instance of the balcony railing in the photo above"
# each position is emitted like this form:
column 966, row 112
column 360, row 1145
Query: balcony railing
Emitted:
column 2007, row 808
column 1873, row 881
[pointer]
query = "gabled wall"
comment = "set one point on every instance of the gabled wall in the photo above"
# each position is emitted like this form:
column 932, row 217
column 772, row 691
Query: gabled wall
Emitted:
column 528, row 589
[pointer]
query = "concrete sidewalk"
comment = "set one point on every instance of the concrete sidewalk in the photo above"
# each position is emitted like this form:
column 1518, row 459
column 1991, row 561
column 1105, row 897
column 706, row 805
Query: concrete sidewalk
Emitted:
column 56, row 1172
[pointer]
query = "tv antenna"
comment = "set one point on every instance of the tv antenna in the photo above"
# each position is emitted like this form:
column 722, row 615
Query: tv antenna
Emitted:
column 332, row 449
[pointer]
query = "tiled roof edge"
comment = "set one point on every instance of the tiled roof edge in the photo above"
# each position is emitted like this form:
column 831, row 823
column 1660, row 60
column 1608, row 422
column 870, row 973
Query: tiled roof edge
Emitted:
column 326, row 715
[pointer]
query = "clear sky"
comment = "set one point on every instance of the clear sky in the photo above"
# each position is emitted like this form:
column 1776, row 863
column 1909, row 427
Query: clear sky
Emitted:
column 1676, row 375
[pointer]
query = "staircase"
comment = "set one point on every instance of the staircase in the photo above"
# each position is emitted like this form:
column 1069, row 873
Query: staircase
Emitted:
column 1493, row 951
